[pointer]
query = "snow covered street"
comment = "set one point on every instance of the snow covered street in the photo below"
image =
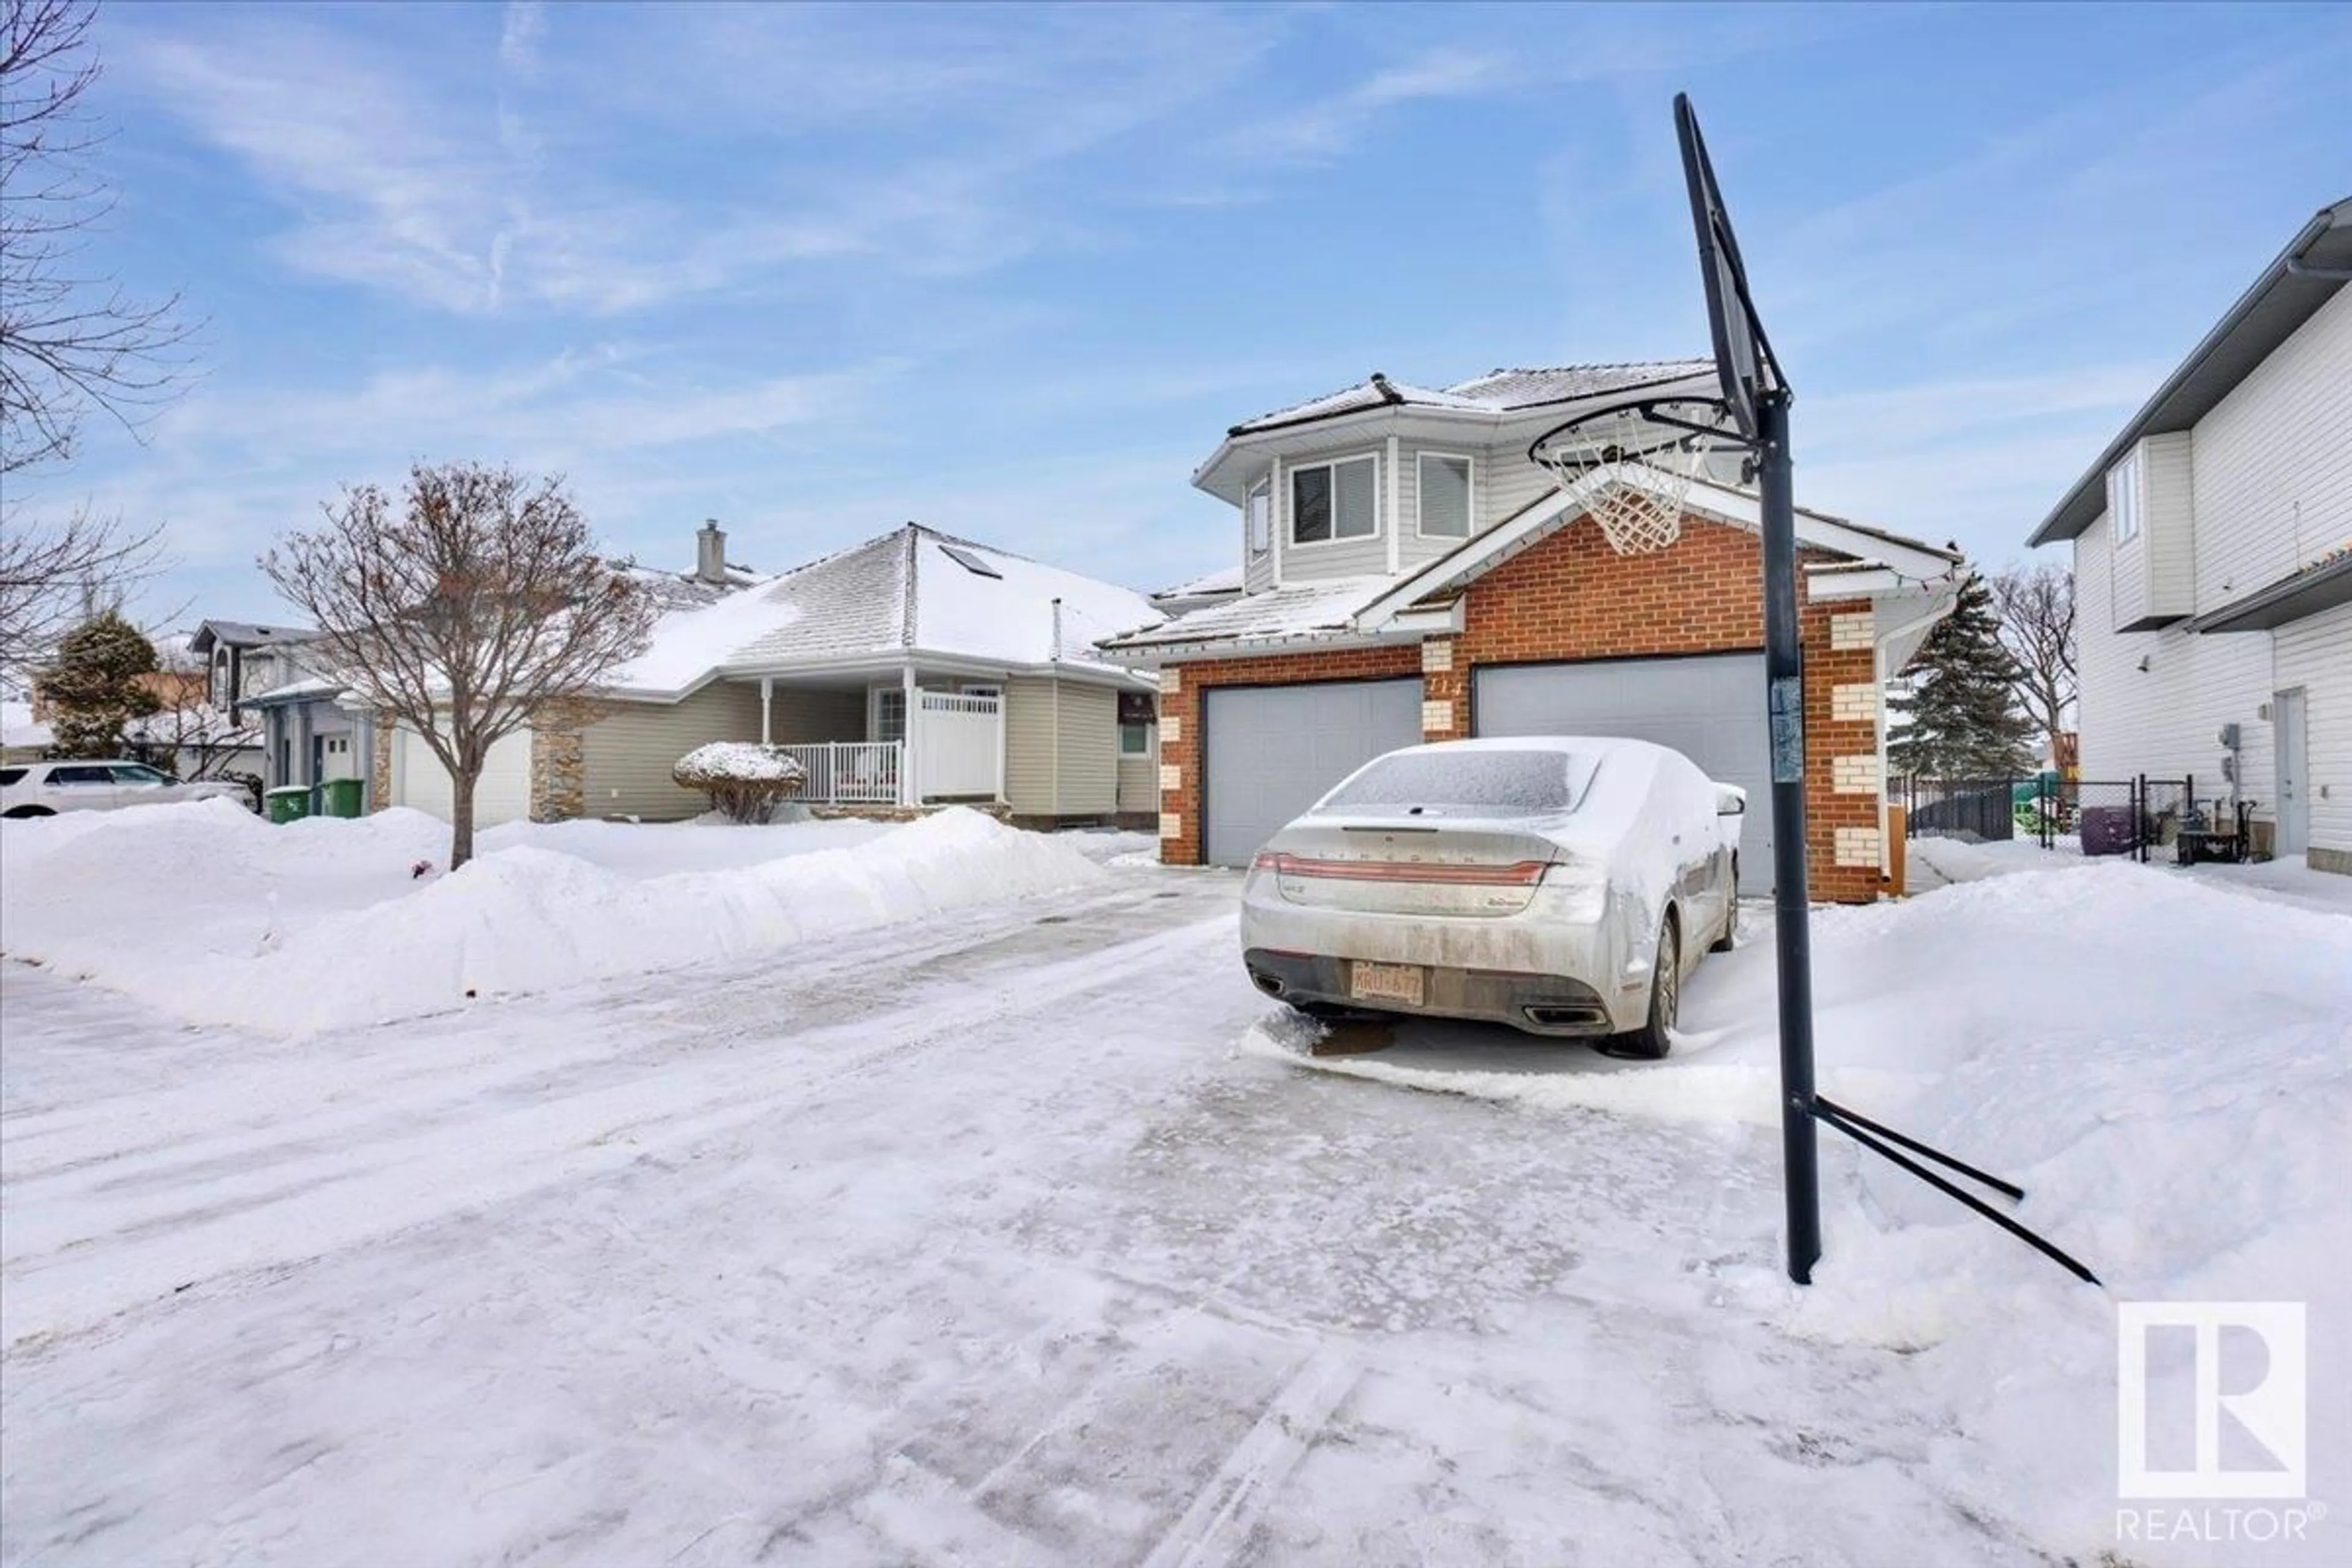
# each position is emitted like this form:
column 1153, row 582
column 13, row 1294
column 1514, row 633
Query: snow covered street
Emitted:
column 1016, row 1232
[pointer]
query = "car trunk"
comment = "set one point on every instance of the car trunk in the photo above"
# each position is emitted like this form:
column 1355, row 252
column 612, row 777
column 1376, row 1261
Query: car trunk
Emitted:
column 1409, row 865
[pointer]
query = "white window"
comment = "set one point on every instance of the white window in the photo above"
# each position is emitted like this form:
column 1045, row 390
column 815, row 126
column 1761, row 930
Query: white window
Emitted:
column 1134, row 740
column 889, row 713
column 1260, row 512
column 1443, row 486
column 1335, row 500
column 2123, row 498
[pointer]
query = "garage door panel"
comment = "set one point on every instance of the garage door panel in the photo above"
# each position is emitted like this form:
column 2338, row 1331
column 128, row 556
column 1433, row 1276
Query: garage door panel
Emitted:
column 1711, row 709
column 501, row 794
column 1272, row 751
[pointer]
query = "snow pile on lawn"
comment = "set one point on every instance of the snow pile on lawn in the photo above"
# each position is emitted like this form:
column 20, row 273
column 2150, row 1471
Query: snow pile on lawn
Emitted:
column 218, row 918
column 2164, row 1065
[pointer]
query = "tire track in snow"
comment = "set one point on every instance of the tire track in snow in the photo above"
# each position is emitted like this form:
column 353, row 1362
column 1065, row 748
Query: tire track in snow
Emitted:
column 68, row 1268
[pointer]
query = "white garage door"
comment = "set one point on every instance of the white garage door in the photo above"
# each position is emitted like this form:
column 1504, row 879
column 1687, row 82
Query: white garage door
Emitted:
column 501, row 794
column 1711, row 709
column 1271, row 752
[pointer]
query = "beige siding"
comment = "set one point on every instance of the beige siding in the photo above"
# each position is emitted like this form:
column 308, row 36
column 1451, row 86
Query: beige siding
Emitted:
column 1090, row 749
column 625, row 758
column 1029, row 747
column 1139, row 778
column 1074, row 722
column 2316, row 654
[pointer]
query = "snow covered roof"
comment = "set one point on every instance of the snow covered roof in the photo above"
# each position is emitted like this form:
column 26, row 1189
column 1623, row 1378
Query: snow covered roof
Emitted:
column 1496, row 392
column 243, row 634
column 1366, row 607
column 1228, row 581
column 294, row 690
column 18, row 729
column 913, row 590
column 1324, row 607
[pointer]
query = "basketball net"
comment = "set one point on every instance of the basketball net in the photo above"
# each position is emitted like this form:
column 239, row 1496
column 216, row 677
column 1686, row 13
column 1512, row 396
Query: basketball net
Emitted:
column 1634, row 498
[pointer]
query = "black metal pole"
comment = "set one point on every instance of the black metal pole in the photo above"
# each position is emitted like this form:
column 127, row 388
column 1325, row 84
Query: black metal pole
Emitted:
column 1784, row 676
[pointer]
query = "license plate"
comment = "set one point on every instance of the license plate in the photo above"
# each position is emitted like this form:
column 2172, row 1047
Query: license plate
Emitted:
column 1385, row 983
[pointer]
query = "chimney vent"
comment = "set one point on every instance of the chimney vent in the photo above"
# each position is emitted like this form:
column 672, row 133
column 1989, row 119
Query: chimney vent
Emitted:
column 710, row 553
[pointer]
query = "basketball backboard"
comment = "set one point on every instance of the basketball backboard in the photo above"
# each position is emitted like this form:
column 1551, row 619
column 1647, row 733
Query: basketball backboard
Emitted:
column 1743, row 355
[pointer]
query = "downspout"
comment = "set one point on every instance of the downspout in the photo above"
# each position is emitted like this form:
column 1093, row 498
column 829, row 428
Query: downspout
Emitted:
column 1396, row 535
column 1055, row 732
column 1273, row 515
column 767, row 702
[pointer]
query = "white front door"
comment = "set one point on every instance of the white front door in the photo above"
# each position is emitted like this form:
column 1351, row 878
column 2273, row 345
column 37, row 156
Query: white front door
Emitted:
column 2288, row 735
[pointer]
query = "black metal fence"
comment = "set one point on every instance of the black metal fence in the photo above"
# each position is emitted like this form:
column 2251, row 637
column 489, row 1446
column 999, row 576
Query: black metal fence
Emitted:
column 2103, row 816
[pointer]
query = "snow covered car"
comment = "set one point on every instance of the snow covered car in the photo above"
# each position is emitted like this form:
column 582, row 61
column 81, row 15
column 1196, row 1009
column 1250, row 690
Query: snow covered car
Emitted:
column 45, row 789
column 1562, row 885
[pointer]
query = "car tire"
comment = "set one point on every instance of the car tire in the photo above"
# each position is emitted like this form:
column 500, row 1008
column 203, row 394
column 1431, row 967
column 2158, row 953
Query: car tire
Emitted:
column 19, row 813
column 1653, row 1040
column 1731, row 937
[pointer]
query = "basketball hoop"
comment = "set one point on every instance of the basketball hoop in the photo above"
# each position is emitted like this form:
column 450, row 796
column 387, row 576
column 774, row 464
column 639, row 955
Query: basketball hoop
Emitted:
column 1631, row 466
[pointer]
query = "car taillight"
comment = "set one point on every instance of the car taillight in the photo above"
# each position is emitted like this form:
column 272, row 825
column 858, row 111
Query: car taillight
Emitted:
column 1518, row 874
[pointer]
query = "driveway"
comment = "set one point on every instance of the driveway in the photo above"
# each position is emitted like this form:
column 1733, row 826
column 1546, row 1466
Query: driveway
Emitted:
column 970, row 1241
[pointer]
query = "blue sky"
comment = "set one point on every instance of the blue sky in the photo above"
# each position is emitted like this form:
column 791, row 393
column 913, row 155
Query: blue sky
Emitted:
column 1011, row 272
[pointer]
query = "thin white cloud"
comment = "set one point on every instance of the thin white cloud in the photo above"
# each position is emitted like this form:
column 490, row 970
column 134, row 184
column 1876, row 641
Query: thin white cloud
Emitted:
column 1326, row 128
column 522, row 31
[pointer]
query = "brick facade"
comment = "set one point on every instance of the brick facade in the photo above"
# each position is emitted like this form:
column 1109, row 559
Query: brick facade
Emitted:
column 1572, row 598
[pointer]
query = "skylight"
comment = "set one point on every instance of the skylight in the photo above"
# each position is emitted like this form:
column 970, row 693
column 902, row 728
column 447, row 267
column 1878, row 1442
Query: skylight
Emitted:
column 969, row 562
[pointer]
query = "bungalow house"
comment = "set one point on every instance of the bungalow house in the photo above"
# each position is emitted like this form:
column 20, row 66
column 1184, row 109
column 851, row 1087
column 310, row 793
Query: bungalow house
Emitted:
column 2212, row 558
column 1403, row 570
column 917, row 668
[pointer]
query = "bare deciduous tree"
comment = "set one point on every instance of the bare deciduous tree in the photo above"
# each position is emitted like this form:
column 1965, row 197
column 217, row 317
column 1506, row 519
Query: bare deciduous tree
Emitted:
column 2036, row 605
column 476, row 601
column 52, row 578
column 70, row 339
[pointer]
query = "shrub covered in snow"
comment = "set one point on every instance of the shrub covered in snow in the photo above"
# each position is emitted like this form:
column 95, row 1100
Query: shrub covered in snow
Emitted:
column 743, row 780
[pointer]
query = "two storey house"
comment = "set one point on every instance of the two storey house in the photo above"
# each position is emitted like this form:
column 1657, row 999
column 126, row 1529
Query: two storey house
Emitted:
column 1403, row 572
column 2212, row 556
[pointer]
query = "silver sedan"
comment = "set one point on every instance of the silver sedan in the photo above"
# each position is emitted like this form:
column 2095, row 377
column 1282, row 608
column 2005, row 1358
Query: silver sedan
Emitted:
column 1564, row 885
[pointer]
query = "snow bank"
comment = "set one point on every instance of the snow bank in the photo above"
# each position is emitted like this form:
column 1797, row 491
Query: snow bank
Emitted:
column 218, row 918
column 2163, row 1063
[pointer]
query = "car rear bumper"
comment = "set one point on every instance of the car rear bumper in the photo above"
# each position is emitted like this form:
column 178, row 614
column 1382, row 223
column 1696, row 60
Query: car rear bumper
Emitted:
column 1539, row 1004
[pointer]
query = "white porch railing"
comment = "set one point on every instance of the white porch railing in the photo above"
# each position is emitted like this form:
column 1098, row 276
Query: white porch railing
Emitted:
column 848, row 773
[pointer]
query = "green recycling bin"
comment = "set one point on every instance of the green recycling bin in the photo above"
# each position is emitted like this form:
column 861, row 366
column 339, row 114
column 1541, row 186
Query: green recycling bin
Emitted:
column 339, row 797
column 285, row 804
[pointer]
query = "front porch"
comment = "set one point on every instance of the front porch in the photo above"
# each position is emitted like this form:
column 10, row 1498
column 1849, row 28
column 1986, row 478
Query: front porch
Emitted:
column 920, row 739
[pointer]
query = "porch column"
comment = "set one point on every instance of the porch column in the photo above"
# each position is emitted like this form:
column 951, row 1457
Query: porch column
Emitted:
column 907, row 794
column 767, row 696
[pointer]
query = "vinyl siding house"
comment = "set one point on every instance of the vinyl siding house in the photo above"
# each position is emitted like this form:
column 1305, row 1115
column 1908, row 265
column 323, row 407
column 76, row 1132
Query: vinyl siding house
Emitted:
column 913, row 669
column 1403, row 570
column 2212, row 560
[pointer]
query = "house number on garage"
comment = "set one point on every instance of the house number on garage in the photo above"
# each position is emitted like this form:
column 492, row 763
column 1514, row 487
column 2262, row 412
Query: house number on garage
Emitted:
column 1788, row 729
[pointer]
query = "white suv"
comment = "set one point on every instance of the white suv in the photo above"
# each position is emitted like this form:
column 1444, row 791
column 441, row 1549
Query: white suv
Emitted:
column 44, row 789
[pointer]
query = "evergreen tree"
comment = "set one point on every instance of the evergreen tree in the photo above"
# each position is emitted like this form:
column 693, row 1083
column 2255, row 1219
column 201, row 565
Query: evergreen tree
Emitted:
column 93, row 689
column 1962, row 719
